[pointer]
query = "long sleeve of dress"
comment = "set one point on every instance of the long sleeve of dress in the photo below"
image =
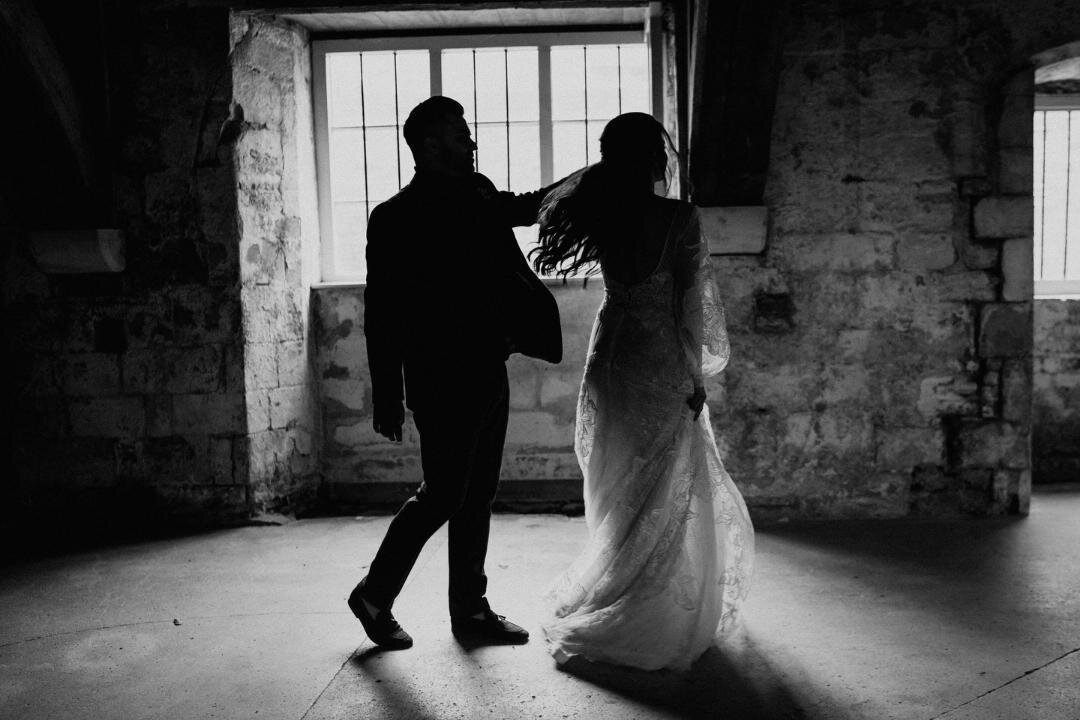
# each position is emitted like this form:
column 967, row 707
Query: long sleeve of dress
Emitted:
column 382, row 308
column 698, row 308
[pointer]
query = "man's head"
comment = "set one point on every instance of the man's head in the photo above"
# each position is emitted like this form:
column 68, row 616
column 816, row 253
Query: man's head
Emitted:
column 439, row 137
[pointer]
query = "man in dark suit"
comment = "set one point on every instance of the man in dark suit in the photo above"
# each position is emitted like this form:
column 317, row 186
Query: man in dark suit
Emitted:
column 449, row 296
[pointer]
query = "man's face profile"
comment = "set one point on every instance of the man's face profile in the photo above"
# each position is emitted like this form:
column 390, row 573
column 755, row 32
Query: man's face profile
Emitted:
column 451, row 146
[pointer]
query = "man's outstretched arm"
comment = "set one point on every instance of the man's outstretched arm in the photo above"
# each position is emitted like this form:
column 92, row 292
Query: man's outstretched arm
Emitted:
column 382, row 323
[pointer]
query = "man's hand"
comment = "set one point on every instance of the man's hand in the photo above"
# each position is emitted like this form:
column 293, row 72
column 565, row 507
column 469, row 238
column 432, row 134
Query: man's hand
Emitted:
column 697, row 400
column 388, row 420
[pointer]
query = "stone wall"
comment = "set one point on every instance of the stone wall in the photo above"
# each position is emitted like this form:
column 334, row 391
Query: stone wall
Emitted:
column 127, row 390
column 274, row 158
column 1056, row 421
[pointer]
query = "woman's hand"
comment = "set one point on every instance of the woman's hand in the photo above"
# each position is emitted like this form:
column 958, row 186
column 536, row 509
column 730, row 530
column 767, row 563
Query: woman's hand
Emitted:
column 697, row 400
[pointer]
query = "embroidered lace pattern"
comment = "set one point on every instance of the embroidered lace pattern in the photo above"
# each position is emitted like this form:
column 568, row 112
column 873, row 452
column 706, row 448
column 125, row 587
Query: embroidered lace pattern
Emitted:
column 670, row 550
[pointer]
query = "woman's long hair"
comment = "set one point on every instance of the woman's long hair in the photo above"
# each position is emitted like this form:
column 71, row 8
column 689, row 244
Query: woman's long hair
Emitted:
column 603, row 203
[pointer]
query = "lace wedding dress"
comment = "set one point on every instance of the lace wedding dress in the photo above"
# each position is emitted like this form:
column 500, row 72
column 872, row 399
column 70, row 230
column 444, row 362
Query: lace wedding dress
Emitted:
column 670, row 548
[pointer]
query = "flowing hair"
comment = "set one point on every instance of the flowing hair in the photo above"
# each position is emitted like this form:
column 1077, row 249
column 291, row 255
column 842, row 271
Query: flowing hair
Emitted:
column 603, row 203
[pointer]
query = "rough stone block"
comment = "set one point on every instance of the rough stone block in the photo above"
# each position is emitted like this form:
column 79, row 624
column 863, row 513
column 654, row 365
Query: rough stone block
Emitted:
column 260, row 365
column 950, row 395
column 173, row 370
column 1015, row 127
column 835, row 251
column 118, row 417
column 539, row 430
column 980, row 255
column 559, row 390
column 925, row 252
column 1004, row 216
column 523, row 375
column 1005, row 330
column 1018, row 270
column 221, row 460
column 292, row 363
column 216, row 414
column 1015, row 168
column 1016, row 392
column 177, row 460
column 257, row 404
column 158, row 415
column 974, row 187
column 905, row 448
column 289, row 406
column 91, row 374
column 76, row 463
column 991, row 444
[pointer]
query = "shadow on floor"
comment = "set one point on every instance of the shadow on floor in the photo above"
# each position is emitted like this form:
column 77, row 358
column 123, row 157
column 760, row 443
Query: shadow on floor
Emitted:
column 723, row 683
column 396, row 700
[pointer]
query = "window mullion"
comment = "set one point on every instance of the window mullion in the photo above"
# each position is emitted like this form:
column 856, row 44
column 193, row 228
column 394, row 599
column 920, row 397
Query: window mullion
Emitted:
column 547, row 153
column 435, row 71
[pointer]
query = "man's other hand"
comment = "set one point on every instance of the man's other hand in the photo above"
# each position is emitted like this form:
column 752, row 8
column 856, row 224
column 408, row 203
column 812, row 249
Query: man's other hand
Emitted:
column 388, row 420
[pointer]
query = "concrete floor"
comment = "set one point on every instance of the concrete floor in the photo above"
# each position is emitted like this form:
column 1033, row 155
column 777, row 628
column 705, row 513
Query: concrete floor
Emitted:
column 974, row 620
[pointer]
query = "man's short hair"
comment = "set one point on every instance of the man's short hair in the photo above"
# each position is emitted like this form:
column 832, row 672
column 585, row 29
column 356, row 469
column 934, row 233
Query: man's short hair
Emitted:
column 436, row 110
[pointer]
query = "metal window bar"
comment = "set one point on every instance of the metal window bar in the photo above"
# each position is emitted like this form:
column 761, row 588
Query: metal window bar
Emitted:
column 397, row 123
column 585, row 92
column 618, row 74
column 506, row 94
column 1042, row 202
column 475, row 113
column 363, row 138
column 1068, row 176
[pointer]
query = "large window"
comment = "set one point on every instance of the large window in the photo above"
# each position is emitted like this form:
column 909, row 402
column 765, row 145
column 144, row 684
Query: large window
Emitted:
column 1057, row 195
column 536, row 103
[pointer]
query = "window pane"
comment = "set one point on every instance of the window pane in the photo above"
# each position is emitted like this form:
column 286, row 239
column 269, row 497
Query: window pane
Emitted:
column 524, row 156
column 1054, row 201
column 602, row 76
column 343, row 89
column 382, row 163
column 1037, row 189
column 457, row 79
column 408, row 166
column 379, row 100
column 524, row 81
column 567, row 83
column 490, row 84
column 491, row 152
column 596, row 127
column 568, row 146
column 350, row 230
column 635, row 78
column 347, row 164
column 526, row 239
column 414, row 80
column 1072, row 263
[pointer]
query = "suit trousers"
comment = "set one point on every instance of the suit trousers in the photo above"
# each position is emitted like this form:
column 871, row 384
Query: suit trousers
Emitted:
column 461, row 443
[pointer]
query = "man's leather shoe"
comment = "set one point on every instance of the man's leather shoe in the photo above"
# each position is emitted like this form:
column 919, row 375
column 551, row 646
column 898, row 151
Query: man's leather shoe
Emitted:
column 490, row 628
column 382, row 628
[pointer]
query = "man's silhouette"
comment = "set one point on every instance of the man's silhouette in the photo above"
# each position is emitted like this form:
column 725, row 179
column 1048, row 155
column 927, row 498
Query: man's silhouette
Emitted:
column 449, row 296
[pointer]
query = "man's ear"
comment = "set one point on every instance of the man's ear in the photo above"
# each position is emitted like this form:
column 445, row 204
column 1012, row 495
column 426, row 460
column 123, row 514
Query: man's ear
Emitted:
column 432, row 147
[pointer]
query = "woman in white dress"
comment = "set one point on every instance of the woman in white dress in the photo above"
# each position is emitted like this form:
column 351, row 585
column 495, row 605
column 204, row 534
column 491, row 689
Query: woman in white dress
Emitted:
column 670, row 547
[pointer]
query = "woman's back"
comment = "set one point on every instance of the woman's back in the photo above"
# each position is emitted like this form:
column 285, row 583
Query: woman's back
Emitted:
column 642, row 248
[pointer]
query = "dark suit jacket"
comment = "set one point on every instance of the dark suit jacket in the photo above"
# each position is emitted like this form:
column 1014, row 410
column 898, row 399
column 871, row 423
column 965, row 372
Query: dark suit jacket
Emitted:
column 448, row 287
